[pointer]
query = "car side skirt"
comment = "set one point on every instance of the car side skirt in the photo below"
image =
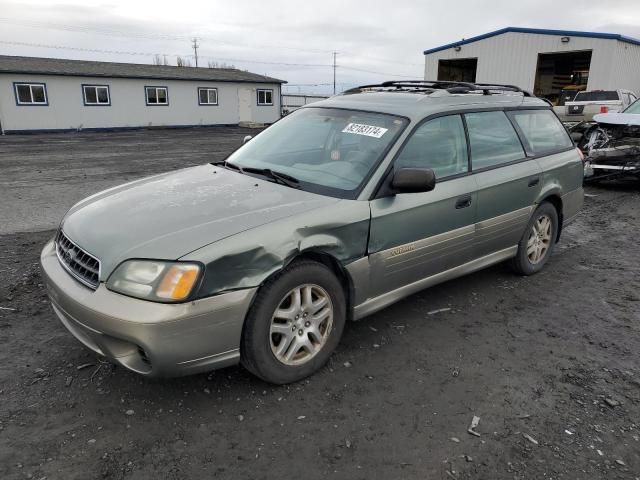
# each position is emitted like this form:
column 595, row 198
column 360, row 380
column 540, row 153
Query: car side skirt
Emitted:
column 360, row 269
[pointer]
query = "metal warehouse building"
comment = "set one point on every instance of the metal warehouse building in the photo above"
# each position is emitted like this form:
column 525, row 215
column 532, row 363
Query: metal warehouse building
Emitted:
column 541, row 61
column 42, row 94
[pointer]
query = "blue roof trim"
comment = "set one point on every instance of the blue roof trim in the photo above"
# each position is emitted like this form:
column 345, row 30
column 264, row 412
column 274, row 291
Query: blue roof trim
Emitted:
column 539, row 31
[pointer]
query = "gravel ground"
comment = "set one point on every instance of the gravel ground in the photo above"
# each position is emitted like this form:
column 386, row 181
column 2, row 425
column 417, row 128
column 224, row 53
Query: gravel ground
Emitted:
column 549, row 363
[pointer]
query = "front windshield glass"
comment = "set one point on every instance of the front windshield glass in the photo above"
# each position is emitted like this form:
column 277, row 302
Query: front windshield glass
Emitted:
column 329, row 151
column 633, row 108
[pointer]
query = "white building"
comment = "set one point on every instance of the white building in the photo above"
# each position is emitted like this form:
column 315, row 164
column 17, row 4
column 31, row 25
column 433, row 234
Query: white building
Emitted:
column 46, row 94
column 540, row 61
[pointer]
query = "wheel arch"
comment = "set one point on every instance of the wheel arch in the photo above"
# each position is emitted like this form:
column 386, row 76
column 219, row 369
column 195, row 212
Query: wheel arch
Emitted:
column 333, row 264
column 555, row 199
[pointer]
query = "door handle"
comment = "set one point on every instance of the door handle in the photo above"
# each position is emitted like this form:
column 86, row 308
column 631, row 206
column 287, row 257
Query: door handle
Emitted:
column 463, row 202
column 534, row 181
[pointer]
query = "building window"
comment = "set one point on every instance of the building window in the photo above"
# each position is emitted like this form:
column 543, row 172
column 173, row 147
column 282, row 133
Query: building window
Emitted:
column 265, row 97
column 156, row 95
column 96, row 95
column 31, row 93
column 207, row 96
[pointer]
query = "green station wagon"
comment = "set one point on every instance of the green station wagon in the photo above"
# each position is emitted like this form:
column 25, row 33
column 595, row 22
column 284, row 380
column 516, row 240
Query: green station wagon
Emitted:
column 331, row 214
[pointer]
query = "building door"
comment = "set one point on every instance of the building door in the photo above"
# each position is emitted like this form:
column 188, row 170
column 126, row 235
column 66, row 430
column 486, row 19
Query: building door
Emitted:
column 244, row 104
column 458, row 70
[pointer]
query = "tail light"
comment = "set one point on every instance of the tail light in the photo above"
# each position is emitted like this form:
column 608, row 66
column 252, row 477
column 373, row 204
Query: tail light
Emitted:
column 604, row 109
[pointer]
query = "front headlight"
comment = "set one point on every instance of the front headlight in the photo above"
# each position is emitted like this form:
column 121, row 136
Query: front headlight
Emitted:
column 155, row 280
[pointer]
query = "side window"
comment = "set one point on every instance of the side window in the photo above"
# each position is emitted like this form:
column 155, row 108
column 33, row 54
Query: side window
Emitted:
column 439, row 144
column 493, row 140
column 543, row 133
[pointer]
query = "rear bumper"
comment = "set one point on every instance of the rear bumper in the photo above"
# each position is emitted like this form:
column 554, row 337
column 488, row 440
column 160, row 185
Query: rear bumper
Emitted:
column 152, row 339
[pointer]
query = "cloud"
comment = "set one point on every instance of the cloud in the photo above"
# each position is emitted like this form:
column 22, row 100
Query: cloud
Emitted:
column 376, row 36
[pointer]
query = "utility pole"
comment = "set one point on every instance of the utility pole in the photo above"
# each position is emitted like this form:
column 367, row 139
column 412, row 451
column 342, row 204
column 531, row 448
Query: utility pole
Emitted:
column 334, row 72
column 194, row 42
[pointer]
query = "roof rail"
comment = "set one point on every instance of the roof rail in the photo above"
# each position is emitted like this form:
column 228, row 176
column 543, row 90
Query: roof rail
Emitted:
column 429, row 86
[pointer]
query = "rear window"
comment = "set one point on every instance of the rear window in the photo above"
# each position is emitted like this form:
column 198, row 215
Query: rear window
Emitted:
column 543, row 133
column 602, row 96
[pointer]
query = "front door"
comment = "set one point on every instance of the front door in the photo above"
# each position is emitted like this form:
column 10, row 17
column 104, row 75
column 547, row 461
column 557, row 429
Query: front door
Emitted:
column 244, row 104
column 416, row 235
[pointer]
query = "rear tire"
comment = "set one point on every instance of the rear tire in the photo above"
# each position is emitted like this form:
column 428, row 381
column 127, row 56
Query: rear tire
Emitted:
column 537, row 242
column 295, row 323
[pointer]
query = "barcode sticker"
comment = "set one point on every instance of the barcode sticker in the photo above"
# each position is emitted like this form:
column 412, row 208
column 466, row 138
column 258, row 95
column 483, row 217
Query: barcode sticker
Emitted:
column 367, row 130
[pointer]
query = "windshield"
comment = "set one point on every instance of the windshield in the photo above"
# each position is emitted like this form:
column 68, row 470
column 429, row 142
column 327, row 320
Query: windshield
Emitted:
column 633, row 108
column 596, row 96
column 328, row 151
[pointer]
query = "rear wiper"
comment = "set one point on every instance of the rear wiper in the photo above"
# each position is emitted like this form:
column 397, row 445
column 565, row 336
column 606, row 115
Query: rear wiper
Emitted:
column 280, row 177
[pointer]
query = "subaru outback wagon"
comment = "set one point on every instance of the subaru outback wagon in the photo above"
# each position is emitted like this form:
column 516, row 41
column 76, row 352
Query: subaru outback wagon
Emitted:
column 331, row 214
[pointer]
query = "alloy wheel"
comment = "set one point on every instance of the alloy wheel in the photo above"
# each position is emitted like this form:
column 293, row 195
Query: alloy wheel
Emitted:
column 301, row 324
column 540, row 238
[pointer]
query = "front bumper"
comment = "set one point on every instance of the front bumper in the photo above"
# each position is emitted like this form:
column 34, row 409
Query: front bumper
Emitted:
column 152, row 339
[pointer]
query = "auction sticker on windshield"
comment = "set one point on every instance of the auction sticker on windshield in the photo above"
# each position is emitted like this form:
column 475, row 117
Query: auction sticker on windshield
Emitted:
column 368, row 130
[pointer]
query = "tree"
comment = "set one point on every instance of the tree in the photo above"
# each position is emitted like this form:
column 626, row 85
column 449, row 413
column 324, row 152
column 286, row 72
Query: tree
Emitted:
column 183, row 62
column 160, row 60
column 220, row 65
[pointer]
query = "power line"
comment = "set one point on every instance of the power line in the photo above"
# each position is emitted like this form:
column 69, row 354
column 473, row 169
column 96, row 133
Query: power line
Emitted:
column 377, row 73
column 175, row 37
column 123, row 52
column 152, row 36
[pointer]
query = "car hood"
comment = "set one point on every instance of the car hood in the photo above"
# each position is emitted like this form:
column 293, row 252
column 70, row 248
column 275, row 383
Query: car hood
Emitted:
column 170, row 215
column 618, row 118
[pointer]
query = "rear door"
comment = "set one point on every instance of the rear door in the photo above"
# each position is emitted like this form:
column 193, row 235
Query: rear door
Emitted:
column 416, row 235
column 508, row 181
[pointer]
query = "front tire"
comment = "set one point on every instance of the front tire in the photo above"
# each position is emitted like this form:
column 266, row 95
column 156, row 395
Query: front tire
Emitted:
column 295, row 323
column 537, row 242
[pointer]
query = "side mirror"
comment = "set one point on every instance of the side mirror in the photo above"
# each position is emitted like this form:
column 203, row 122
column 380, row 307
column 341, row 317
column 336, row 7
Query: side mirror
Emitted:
column 246, row 139
column 413, row 180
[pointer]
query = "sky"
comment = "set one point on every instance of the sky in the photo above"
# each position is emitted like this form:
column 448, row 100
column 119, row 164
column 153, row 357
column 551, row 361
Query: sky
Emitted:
column 294, row 41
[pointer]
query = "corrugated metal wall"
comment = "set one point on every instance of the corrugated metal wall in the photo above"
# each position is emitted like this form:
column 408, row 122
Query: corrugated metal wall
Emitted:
column 513, row 57
column 625, row 67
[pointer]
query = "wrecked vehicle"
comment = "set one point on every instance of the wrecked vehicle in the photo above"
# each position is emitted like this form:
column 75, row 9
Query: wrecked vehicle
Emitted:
column 612, row 145
column 338, row 210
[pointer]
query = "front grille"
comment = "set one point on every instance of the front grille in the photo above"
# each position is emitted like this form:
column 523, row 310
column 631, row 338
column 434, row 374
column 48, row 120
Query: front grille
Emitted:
column 83, row 266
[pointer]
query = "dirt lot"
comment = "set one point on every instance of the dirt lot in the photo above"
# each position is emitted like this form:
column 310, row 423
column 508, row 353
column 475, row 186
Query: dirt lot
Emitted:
column 549, row 363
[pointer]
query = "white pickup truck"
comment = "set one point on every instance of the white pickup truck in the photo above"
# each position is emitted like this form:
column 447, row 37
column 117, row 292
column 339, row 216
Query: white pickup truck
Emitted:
column 587, row 104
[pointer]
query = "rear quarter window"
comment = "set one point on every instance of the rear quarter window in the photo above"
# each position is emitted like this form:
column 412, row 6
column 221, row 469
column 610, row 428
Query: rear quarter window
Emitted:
column 542, row 131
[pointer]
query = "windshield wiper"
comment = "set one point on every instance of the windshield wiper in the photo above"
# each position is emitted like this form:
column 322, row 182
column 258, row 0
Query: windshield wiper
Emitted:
column 225, row 164
column 277, row 177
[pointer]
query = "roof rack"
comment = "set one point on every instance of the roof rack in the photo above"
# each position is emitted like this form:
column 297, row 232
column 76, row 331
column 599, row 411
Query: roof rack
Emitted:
column 430, row 86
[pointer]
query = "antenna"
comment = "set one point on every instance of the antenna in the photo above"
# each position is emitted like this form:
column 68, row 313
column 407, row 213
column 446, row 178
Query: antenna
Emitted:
column 195, row 45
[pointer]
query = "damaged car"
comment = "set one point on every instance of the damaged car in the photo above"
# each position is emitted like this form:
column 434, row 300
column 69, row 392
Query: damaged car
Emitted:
column 611, row 145
column 338, row 210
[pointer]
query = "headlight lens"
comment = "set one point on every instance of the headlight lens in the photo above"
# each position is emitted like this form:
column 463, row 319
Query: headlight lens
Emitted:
column 154, row 280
